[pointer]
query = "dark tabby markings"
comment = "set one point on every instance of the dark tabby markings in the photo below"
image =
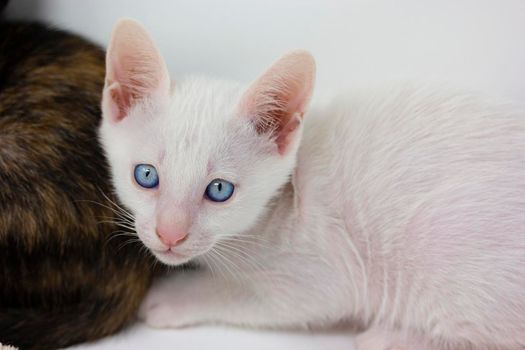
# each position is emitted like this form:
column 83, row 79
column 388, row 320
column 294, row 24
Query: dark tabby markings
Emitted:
column 62, row 280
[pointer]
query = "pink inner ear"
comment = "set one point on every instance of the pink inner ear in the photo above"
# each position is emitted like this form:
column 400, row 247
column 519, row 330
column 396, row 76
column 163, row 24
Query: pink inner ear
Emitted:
column 118, row 100
column 135, row 69
column 276, row 102
column 285, row 136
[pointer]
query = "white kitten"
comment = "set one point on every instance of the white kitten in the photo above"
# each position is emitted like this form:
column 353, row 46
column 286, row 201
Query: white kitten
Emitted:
column 402, row 210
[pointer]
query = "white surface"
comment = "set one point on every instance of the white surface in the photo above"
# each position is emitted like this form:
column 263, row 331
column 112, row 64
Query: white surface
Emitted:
column 478, row 44
column 220, row 338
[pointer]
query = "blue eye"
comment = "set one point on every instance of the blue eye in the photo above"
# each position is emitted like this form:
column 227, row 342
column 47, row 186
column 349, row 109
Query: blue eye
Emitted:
column 146, row 175
column 219, row 190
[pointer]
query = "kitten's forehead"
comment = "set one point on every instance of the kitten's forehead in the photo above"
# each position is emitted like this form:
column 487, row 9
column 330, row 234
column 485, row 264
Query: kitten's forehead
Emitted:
column 196, row 127
column 198, row 102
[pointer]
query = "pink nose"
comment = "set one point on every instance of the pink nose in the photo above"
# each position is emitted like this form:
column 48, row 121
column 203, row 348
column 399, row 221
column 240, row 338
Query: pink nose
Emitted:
column 171, row 238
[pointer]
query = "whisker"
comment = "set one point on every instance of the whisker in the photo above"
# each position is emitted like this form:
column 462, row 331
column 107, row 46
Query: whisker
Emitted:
column 227, row 263
column 129, row 227
column 213, row 257
column 122, row 210
column 251, row 262
column 264, row 244
column 255, row 237
column 244, row 256
column 209, row 262
column 119, row 219
column 118, row 213
column 128, row 242
column 232, row 264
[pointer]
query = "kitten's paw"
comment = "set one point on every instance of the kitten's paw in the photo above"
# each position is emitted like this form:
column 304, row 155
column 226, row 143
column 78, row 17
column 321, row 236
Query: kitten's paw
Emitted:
column 163, row 310
column 158, row 316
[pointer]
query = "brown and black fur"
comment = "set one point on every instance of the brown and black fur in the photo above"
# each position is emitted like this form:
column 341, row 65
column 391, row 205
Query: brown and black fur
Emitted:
column 62, row 279
column 3, row 4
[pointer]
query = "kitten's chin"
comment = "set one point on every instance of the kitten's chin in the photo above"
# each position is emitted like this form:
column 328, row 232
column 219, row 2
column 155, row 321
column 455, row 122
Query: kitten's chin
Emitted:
column 169, row 257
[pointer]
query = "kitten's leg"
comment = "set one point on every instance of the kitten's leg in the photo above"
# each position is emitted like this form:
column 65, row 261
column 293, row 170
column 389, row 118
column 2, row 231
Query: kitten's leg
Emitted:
column 255, row 298
column 377, row 339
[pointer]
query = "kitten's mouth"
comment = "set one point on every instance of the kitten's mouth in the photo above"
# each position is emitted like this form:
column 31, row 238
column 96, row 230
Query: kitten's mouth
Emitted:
column 170, row 252
column 178, row 255
column 170, row 257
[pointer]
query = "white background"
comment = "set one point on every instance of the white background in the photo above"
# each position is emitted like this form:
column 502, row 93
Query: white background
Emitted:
column 475, row 43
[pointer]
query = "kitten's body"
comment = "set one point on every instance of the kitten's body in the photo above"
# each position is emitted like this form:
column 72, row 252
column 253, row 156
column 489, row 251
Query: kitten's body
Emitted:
column 388, row 222
column 66, row 276
column 404, row 212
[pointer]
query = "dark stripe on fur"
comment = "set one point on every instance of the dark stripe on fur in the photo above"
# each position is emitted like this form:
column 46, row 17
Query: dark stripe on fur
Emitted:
column 64, row 277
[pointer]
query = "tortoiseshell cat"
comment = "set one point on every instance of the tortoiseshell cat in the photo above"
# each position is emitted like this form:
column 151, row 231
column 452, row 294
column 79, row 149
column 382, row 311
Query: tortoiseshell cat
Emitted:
column 62, row 279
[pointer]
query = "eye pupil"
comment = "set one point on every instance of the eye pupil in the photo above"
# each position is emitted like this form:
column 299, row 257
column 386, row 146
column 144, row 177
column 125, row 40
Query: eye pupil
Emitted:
column 219, row 190
column 146, row 176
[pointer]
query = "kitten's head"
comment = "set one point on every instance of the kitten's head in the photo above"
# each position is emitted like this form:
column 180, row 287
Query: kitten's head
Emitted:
column 197, row 161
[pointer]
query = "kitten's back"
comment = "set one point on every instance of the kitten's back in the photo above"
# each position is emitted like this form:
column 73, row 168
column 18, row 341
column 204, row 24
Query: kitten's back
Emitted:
column 432, row 182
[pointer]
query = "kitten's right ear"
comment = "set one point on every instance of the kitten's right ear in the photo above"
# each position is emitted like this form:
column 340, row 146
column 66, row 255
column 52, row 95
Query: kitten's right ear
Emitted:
column 135, row 70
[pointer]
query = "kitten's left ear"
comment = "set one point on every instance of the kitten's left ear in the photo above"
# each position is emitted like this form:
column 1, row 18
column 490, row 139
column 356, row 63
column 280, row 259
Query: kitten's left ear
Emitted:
column 135, row 70
column 277, row 101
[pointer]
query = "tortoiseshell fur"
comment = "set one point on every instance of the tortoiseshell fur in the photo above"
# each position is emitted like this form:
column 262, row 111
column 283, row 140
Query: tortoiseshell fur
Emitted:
column 65, row 277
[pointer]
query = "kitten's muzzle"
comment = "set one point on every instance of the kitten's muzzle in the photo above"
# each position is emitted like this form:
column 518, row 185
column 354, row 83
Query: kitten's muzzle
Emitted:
column 171, row 238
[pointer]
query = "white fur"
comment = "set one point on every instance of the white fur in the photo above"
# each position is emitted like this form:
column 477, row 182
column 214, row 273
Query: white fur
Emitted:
column 401, row 209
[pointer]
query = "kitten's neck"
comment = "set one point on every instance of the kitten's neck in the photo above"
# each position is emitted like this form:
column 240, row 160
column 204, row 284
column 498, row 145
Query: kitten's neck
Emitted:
column 280, row 216
column 306, row 218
